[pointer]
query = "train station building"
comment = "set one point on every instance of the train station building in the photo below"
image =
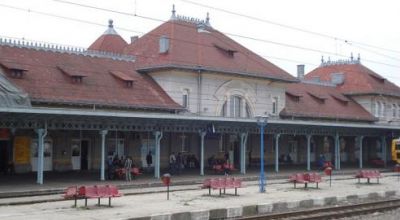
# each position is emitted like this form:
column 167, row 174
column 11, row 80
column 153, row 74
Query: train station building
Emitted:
column 185, row 88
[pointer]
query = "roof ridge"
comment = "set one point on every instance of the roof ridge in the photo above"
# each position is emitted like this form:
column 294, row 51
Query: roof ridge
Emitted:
column 52, row 47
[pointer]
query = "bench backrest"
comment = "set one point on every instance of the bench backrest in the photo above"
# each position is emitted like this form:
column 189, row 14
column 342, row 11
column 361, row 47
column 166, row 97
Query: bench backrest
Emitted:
column 71, row 192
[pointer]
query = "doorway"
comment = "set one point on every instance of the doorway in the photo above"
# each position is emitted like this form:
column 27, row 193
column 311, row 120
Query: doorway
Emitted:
column 4, row 156
column 80, row 154
column 84, row 155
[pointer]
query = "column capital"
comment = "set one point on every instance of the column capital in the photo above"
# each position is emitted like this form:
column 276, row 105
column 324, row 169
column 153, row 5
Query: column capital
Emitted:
column 103, row 132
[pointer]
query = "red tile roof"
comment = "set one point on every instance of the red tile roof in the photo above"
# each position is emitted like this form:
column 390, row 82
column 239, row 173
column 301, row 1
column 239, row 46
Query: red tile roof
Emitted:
column 207, row 49
column 321, row 102
column 109, row 43
column 45, row 82
column 358, row 79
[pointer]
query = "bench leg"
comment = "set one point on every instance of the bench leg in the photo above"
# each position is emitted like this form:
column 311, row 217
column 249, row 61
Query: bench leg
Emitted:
column 305, row 185
column 317, row 185
column 224, row 191
column 75, row 202
column 209, row 191
column 235, row 191
column 109, row 201
column 358, row 180
column 220, row 190
column 377, row 179
column 294, row 184
column 368, row 180
column 85, row 202
column 98, row 201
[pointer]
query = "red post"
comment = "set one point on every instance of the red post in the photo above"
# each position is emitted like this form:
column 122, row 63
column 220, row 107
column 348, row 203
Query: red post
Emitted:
column 166, row 179
column 328, row 171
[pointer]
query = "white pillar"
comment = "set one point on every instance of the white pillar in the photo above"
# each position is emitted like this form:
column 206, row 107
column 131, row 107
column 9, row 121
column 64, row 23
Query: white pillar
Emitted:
column 40, row 162
column 308, row 151
column 243, row 141
column 202, row 135
column 360, row 141
column 158, row 135
column 277, row 136
column 103, row 134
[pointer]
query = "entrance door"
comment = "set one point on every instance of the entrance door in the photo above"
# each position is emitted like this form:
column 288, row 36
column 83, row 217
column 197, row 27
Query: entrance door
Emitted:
column 4, row 153
column 48, row 155
column 84, row 155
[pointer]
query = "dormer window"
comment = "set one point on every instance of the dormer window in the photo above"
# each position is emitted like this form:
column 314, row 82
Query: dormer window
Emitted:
column 318, row 97
column 15, row 70
column 123, row 77
column 164, row 44
column 341, row 99
column 17, row 73
column 75, row 74
column 226, row 51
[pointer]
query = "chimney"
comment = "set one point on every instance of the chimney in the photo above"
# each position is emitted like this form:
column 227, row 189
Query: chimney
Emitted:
column 300, row 71
column 134, row 39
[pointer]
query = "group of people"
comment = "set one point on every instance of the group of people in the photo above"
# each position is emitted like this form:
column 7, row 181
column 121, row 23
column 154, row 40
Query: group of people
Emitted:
column 179, row 162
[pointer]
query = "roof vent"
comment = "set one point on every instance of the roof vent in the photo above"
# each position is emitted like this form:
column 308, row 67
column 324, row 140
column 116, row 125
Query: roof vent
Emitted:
column 337, row 78
column 164, row 44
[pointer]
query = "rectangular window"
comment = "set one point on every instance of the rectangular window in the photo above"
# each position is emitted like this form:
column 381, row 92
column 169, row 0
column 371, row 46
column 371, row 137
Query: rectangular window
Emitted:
column 275, row 105
column 185, row 101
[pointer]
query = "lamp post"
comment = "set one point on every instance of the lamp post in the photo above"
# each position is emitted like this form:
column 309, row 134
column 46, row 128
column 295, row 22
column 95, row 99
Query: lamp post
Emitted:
column 262, row 122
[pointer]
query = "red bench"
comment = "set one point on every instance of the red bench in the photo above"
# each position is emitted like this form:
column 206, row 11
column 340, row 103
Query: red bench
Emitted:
column 92, row 192
column 121, row 172
column 305, row 178
column 368, row 174
column 222, row 184
column 219, row 168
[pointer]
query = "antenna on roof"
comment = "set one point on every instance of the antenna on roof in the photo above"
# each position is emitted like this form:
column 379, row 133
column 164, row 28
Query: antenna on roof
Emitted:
column 173, row 16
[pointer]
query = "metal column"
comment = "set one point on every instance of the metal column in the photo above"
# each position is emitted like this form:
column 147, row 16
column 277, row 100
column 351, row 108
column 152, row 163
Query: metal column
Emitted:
column 202, row 135
column 277, row 152
column 337, row 152
column 103, row 134
column 384, row 150
column 243, row 141
column 308, row 152
column 360, row 141
column 158, row 135
column 40, row 162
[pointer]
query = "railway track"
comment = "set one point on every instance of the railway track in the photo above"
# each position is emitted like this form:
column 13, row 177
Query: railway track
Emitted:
column 333, row 212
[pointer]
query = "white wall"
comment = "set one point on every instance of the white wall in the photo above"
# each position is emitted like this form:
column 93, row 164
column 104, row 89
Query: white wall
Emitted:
column 215, row 88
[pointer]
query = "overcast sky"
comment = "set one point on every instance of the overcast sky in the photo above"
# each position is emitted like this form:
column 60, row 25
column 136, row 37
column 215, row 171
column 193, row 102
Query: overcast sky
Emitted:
column 342, row 26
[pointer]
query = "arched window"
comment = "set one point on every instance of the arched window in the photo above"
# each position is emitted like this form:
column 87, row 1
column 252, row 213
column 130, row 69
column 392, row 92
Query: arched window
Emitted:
column 238, row 107
column 383, row 110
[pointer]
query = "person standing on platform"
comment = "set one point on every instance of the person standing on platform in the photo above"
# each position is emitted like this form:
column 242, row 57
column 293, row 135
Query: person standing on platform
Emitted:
column 172, row 163
column 128, row 166
column 149, row 160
